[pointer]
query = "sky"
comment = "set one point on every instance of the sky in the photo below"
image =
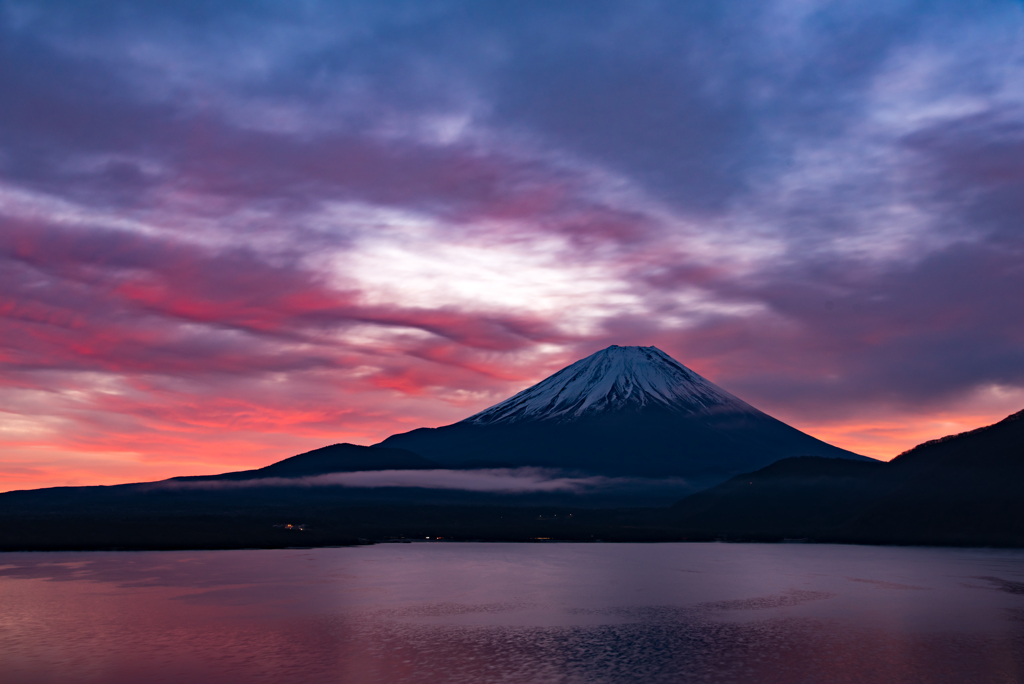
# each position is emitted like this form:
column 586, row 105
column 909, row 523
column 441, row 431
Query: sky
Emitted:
column 231, row 232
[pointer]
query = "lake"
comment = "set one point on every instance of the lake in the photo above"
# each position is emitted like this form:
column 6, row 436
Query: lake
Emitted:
column 466, row 612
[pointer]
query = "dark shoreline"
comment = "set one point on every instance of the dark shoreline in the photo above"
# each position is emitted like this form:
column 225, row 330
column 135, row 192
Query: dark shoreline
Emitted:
column 361, row 525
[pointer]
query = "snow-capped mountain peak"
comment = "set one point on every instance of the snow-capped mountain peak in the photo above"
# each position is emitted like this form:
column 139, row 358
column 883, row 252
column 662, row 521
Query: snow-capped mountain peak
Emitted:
column 613, row 379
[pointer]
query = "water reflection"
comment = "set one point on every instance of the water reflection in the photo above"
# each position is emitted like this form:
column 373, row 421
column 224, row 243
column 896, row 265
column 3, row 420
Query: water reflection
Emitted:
column 516, row 613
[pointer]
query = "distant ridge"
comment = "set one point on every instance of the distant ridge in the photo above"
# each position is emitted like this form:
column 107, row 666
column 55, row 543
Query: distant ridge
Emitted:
column 960, row 489
column 622, row 411
column 997, row 430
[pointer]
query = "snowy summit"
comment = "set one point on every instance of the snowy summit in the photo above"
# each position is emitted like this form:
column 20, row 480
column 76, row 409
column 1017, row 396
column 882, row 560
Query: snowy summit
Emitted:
column 613, row 379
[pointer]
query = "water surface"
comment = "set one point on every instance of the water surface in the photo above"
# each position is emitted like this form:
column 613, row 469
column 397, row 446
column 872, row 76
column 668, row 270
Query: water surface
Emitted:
column 515, row 613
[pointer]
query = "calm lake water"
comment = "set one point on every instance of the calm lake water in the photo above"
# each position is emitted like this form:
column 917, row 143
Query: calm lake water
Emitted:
column 446, row 612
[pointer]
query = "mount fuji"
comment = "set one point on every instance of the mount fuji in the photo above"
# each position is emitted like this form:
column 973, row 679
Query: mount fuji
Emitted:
column 621, row 412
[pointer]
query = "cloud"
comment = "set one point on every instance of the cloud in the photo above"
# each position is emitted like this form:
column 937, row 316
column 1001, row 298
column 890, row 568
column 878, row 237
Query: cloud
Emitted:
column 229, row 232
column 501, row 480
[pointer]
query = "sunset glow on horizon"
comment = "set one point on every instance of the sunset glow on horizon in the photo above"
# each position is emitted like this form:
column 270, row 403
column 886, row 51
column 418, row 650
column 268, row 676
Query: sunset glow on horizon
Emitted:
column 233, row 233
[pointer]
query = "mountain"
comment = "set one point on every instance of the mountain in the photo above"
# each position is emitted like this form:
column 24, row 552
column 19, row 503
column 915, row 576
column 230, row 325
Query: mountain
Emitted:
column 803, row 497
column 623, row 411
column 961, row 489
column 993, row 447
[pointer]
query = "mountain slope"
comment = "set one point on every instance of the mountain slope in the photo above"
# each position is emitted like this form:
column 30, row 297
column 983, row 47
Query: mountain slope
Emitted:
column 958, row 489
column 962, row 489
column 999, row 445
column 623, row 411
column 336, row 458
column 795, row 497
